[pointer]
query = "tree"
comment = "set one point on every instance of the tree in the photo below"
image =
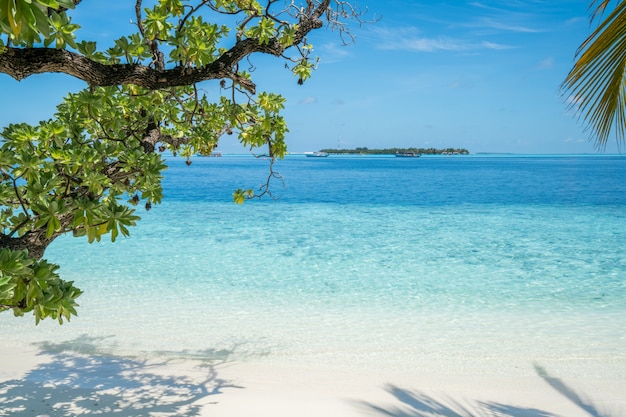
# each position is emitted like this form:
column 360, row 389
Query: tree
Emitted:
column 84, row 170
column 596, row 83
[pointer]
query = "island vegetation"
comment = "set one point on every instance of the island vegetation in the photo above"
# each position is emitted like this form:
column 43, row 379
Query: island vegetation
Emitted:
column 392, row 151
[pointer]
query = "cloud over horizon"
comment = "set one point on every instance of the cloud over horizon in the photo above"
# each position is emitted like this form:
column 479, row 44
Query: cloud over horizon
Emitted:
column 408, row 39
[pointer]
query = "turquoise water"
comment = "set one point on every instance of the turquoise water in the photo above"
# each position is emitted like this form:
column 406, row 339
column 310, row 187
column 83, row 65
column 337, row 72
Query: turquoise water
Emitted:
column 487, row 264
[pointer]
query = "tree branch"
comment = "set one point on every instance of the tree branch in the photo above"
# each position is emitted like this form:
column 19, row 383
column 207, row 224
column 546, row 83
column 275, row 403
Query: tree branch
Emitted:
column 21, row 63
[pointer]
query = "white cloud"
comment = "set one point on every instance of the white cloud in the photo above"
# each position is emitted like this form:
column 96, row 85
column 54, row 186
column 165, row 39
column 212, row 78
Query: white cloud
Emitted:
column 461, row 84
column 573, row 103
column 333, row 52
column 496, row 46
column 308, row 100
column 574, row 140
column 428, row 44
column 501, row 25
column 546, row 63
column 478, row 4
column 575, row 20
column 408, row 39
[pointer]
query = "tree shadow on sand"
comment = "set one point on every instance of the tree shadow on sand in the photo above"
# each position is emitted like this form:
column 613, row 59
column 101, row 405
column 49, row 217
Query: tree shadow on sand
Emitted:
column 417, row 404
column 579, row 399
column 81, row 382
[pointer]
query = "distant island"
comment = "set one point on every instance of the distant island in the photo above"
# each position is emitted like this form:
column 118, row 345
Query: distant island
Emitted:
column 392, row 151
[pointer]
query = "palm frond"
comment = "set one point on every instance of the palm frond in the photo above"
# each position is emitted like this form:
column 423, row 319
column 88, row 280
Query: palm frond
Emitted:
column 597, row 82
column 598, row 6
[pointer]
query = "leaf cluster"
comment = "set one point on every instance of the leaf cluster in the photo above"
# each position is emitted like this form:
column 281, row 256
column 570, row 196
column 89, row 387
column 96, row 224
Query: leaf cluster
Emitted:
column 595, row 84
column 33, row 285
column 30, row 22
column 57, row 178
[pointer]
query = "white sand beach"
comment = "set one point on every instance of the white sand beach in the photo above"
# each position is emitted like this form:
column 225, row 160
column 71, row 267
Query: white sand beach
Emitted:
column 37, row 383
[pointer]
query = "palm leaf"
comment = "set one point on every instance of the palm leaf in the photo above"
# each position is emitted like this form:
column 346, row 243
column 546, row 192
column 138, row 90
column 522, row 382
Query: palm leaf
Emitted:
column 599, row 7
column 596, row 84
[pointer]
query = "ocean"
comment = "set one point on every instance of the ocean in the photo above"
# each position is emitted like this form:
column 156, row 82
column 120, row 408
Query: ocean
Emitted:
column 487, row 264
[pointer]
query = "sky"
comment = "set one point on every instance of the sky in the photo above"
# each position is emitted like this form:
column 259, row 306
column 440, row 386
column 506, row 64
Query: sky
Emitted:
column 480, row 75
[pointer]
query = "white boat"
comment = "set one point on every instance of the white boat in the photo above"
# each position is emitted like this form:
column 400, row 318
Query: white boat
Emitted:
column 316, row 154
column 408, row 155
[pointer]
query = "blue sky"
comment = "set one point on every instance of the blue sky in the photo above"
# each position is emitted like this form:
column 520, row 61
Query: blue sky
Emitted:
column 480, row 75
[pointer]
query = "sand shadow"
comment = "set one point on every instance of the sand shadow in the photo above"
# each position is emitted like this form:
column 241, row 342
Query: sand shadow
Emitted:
column 581, row 400
column 417, row 404
column 81, row 382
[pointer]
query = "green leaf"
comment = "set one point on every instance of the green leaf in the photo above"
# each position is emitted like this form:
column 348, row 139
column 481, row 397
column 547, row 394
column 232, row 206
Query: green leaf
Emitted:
column 240, row 196
column 49, row 3
column 15, row 16
column 68, row 4
column 7, row 285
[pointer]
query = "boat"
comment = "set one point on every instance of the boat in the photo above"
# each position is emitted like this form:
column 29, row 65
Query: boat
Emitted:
column 408, row 155
column 316, row 154
column 211, row 155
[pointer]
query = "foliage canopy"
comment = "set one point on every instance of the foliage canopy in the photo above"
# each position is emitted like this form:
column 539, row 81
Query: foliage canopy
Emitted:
column 595, row 86
column 84, row 170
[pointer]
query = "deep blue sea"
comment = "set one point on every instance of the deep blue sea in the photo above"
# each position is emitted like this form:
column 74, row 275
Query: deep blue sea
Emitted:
column 485, row 263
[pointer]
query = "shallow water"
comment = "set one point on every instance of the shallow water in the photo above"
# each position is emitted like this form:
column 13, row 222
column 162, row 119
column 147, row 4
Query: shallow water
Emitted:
column 489, row 264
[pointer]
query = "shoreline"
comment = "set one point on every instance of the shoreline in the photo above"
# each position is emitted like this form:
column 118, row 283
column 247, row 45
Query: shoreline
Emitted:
column 37, row 382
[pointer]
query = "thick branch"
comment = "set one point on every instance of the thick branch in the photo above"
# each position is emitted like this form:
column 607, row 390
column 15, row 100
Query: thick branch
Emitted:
column 154, row 136
column 22, row 63
column 35, row 240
